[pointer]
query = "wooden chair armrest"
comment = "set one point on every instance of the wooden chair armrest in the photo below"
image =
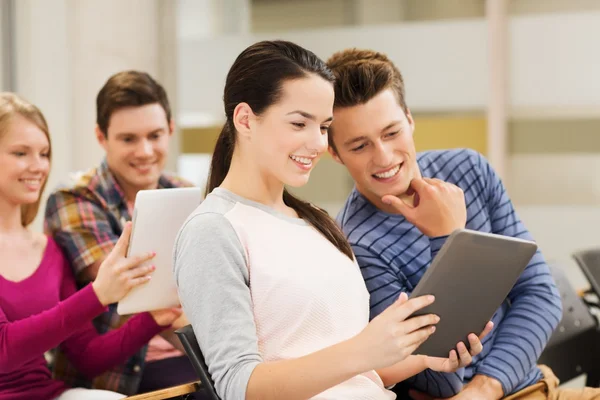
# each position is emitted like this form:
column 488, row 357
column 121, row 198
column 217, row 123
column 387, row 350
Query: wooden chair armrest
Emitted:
column 168, row 393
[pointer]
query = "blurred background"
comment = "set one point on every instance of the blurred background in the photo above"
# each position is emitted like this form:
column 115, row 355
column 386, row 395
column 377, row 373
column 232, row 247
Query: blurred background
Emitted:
column 514, row 79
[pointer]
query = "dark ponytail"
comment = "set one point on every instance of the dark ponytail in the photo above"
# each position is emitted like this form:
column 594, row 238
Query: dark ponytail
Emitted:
column 221, row 158
column 256, row 78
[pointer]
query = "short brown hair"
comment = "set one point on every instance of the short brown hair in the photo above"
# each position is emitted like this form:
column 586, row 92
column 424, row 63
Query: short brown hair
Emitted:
column 128, row 89
column 11, row 106
column 360, row 75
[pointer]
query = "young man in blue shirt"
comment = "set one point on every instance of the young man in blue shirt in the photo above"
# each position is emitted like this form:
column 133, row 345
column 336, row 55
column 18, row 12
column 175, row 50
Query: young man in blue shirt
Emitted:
column 403, row 207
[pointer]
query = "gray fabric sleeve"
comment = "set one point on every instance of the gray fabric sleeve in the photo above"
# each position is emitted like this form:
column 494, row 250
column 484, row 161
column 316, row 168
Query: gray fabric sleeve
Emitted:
column 212, row 279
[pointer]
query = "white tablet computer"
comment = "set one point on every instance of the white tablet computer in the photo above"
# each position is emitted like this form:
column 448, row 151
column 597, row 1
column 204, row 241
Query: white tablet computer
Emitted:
column 157, row 217
column 470, row 277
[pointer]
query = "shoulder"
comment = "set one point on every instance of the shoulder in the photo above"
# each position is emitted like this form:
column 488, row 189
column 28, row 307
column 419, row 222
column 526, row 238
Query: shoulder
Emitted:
column 209, row 223
column 354, row 205
column 80, row 186
column 170, row 180
column 437, row 162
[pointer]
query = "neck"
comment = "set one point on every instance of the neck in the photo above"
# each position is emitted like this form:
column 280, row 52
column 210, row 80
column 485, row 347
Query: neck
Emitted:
column 10, row 218
column 246, row 180
column 129, row 191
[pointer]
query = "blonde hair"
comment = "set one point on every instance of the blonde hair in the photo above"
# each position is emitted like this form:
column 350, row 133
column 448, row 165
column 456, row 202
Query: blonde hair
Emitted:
column 12, row 105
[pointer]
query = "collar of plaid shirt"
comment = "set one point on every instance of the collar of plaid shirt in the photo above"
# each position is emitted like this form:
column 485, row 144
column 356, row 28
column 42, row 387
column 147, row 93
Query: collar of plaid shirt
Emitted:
column 105, row 186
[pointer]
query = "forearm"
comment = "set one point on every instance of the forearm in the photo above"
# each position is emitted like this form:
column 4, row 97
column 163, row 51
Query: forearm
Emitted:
column 307, row 376
column 487, row 387
column 93, row 353
column 403, row 370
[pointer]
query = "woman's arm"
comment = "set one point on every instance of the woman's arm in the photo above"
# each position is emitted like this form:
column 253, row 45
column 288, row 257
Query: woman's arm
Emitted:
column 212, row 275
column 28, row 338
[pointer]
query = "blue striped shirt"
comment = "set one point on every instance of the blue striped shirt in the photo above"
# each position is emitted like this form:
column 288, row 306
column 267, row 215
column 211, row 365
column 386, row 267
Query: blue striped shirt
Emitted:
column 393, row 255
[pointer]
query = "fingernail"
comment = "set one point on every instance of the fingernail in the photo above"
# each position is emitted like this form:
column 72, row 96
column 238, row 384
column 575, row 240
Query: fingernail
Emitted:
column 431, row 297
column 386, row 200
column 432, row 329
column 437, row 318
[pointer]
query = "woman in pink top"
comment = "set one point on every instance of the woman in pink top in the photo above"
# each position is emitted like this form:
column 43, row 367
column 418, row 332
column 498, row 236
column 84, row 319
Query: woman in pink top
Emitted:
column 40, row 307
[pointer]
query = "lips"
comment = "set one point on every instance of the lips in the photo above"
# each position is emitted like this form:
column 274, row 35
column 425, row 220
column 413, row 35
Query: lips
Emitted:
column 389, row 173
column 143, row 167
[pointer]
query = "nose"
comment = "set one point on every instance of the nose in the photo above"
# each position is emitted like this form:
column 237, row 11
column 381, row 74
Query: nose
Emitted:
column 39, row 164
column 144, row 149
column 384, row 155
column 318, row 142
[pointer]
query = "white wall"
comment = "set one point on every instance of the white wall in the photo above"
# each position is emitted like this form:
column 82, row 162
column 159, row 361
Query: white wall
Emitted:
column 553, row 66
column 67, row 49
column 429, row 87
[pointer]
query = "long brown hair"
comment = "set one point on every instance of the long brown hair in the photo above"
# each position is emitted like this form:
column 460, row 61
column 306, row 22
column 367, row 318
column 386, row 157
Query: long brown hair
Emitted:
column 256, row 78
column 12, row 105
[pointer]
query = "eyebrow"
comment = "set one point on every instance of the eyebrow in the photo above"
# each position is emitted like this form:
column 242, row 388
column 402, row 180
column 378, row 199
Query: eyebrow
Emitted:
column 133, row 134
column 363, row 137
column 27, row 147
column 309, row 116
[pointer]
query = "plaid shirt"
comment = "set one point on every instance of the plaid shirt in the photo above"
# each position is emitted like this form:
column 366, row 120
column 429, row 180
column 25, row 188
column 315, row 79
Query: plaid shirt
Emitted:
column 86, row 220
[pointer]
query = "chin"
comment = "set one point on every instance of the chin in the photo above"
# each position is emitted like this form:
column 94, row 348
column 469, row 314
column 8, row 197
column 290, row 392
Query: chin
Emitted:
column 296, row 183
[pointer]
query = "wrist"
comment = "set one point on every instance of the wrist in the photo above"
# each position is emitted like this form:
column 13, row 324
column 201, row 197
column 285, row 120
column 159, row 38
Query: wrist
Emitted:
column 490, row 387
column 99, row 295
column 359, row 355
column 421, row 361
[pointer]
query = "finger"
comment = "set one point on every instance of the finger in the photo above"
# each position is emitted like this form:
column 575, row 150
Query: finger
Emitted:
column 435, row 182
column 414, row 339
column 475, row 346
column 399, row 205
column 415, row 323
column 141, row 271
column 138, row 281
column 134, row 261
column 453, row 360
column 418, row 185
column 403, row 298
column 123, row 242
column 488, row 328
column 413, row 305
column 464, row 355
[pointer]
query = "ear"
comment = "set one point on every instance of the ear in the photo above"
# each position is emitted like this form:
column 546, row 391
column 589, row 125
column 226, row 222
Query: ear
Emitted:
column 411, row 121
column 171, row 127
column 335, row 155
column 243, row 118
column 101, row 137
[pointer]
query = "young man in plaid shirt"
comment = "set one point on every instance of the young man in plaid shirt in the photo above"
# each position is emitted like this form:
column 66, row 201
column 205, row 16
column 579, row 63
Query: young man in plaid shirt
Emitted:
column 134, row 126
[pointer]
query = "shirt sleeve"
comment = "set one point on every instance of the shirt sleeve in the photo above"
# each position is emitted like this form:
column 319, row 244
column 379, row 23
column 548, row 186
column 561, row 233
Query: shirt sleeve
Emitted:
column 28, row 338
column 211, row 273
column 81, row 227
column 93, row 353
column 535, row 304
column 385, row 283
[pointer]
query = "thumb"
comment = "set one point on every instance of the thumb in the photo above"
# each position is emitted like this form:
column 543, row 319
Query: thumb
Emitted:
column 403, row 298
column 123, row 243
column 398, row 205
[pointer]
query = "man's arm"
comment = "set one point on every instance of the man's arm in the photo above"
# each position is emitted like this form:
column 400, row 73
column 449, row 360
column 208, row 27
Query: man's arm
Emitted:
column 82, row 229
column 385, row 285
column 535, row 305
